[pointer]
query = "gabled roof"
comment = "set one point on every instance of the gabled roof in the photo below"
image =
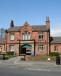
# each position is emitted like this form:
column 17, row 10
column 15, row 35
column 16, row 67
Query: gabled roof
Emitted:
column 34, row 28
column 56, row 40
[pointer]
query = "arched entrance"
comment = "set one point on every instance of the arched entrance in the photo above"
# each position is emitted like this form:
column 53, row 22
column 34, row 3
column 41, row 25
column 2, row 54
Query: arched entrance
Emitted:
column 26, row 49
column 23, row 50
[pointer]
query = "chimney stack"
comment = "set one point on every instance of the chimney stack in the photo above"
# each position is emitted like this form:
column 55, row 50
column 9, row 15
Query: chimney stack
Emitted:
column 48, row 22
column 12, row 23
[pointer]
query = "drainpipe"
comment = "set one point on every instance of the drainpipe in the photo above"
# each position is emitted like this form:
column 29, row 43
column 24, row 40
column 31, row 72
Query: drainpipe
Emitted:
column 34, row 47
column 6, row 40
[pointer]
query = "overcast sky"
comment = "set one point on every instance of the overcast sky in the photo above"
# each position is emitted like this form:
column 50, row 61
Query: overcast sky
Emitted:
column 33, row 11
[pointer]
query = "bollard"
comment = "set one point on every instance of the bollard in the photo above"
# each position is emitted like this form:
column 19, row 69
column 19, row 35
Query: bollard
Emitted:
column 58, row 60
column 3, row 56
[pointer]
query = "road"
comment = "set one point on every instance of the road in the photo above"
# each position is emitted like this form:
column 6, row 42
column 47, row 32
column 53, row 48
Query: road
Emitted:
column 13, row 70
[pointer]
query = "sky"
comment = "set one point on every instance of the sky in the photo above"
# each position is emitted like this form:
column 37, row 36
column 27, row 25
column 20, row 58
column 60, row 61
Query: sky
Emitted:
column 32, row 11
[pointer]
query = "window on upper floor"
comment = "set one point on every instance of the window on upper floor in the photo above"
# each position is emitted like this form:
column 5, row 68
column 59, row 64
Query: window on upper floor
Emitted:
column 40, row 36
column 26, row 36
column 12, row 36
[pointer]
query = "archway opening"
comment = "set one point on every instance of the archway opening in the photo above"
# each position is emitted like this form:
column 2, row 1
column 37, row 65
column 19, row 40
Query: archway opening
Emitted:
column 26, row 49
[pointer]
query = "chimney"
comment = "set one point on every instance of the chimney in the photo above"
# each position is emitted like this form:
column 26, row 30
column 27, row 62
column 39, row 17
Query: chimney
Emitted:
column 12, row 23
column 47, row 22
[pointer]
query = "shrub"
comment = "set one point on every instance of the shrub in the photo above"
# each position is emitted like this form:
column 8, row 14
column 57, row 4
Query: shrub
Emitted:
column 54, row 54
column 5, row 56
column 10, row 53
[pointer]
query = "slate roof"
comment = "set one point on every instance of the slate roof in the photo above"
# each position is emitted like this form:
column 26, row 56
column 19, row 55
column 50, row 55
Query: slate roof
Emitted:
column 39, row 27
column 16, row 28
column 34, row 28
column 56, row 40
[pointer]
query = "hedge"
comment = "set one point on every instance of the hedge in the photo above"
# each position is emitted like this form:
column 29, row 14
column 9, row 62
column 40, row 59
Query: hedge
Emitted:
column 54, row 54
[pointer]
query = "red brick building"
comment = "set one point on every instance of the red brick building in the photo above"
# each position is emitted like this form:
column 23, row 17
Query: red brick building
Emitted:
column 30, row 39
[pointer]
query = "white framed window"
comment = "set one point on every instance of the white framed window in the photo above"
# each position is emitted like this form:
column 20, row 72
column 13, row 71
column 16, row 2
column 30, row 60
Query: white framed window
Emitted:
column 11, row 47
column 26, row 36
column 40, row 36
column 29, row 36
column 12, row 37
column 41, row 47
column 23, row 36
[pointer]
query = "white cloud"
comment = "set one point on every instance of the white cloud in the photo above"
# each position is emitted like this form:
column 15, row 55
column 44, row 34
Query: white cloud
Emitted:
column 56, row 31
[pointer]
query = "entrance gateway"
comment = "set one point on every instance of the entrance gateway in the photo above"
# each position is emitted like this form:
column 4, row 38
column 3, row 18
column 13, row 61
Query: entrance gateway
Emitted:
column 27, row 47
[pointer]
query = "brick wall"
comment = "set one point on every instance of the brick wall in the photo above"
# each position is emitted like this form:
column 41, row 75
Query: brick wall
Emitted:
column 58, row 47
